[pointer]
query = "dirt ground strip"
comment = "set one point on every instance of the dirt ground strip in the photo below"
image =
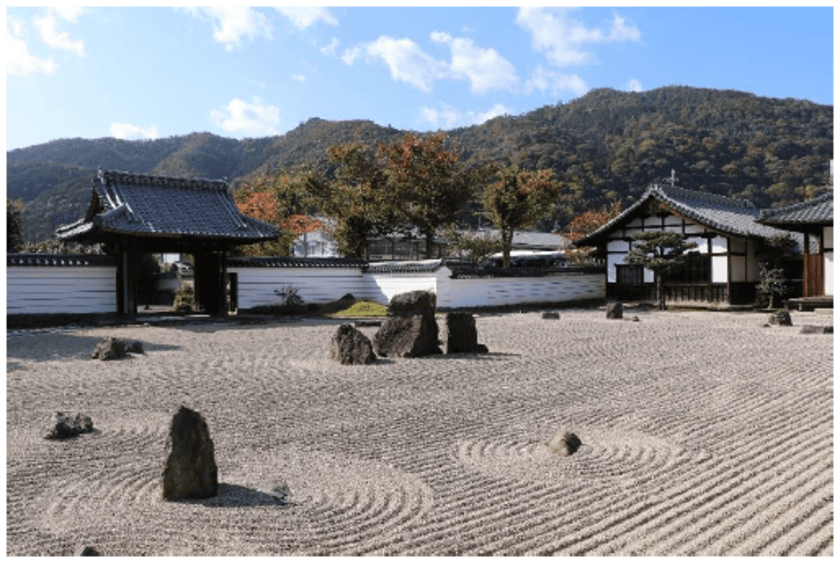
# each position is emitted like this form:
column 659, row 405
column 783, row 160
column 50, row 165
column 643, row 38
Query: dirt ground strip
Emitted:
column 703, row 433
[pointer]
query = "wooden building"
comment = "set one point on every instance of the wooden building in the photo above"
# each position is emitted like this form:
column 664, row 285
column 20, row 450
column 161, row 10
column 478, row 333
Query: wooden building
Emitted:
column 722, row 270
column 137, row 213
column 815, row 219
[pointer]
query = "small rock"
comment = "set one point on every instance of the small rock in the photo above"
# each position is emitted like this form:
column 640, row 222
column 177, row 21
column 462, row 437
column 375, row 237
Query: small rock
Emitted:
column 615, row 310
column 86, row 551
column 109, row 349
column 565, row 444
column 551, row 315
column 633, row 319
column 69, row 426
column 780, row 318
column 811, row 329
column 134, row 347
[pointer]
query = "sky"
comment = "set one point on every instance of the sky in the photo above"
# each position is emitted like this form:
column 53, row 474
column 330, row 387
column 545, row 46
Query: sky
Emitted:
column 239, row 72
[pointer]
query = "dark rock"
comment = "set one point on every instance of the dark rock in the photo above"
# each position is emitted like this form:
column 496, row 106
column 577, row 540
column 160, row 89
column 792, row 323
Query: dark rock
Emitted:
column 69, row 426
column 565, row 444
column 134, row 347
column 615, row 310
column 413, row 303
column 551, row 315
column 407, row 337
column 633, row 319
column 190, row 468
column 351, row 347
column 358, row 324
column 811, row 329
column 86, row 551
column 461, row 335
column 109, row 349
column 780, row 318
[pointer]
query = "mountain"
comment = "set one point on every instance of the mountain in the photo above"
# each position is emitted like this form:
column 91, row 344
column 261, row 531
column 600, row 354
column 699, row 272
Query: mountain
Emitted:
column 604, row 146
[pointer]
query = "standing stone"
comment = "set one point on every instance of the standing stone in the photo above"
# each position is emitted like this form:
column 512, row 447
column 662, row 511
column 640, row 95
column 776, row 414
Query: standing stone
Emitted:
column 781, row 318
column 69, row 426
column 413, row 303
column 461, row 335
column 412, row 330
column 190, row 469
column 407, row 337
column 351, row 347
column 615, row 310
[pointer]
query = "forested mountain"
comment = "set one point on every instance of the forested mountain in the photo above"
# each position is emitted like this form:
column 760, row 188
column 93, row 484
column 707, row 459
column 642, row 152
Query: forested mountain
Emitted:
column 605, row 146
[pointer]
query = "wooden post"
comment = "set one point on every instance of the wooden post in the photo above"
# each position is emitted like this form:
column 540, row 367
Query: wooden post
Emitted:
column 127, row 281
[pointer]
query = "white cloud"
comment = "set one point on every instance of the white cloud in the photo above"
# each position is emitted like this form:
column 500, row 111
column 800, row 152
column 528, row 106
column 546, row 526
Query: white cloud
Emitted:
column 633, row 85
column 486, row 69
column 133, row 132
column 563, row 38
column 556, row 83
column 19, row 61
column 249, row 119
column 299, row 78
column 304, row 17
column 331, row 48
column 233, row 23
column 404, row 58
column 449, row 117
column 47, row 25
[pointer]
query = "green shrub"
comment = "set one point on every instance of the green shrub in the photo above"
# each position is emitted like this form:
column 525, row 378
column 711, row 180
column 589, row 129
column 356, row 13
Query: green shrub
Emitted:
column 184, row 299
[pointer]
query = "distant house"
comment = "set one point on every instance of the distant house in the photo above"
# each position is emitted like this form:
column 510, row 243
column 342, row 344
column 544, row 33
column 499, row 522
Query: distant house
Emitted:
column 815, row 219
column 724, row 267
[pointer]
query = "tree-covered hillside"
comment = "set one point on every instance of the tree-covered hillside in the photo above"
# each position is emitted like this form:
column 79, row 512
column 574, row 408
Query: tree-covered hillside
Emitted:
column 605, row 146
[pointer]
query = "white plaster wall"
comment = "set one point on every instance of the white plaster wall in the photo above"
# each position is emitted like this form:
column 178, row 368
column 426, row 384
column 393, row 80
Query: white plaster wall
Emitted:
column 50, row 289
column 256, row 286
column 720, row 269
column 495, row 292
column 828, row 271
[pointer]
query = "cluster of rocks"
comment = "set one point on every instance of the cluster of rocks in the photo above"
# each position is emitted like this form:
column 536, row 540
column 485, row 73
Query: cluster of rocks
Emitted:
column 410, row 331
column 69, row 426
column 112, row 348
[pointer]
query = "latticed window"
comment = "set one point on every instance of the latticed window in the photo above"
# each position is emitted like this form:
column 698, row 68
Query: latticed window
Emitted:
column 697, row 268
column 627, row 274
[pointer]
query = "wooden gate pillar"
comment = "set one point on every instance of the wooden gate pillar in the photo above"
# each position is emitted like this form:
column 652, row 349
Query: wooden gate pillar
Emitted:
column 127, row 281
column 210, row 282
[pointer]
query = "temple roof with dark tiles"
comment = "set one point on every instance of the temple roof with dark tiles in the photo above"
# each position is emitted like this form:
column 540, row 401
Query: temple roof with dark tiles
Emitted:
column 142, row 205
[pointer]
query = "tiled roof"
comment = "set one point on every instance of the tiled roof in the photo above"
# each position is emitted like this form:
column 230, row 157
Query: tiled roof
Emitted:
column 140, row 204
column 417, row 266
column 724, row 214
column 59, row 260
column 817, row 211
column 292, row 262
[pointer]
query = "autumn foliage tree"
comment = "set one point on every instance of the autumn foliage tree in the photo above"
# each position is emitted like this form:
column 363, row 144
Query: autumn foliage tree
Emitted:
column 359, row 199
column 518, row 199
column 285, row 200
column 428, row 182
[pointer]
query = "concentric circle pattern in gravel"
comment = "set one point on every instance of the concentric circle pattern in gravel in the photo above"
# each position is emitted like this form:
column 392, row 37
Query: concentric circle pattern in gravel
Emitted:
column 702, row 434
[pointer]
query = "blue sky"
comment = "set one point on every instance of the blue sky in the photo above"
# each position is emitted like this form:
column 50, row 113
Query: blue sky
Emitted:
column 151, row 72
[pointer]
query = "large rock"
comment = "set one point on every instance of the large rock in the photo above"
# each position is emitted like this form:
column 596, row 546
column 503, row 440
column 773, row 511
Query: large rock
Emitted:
column 615, row 310
column 461, row 335
column 190, row 470
column 407, row 337
column 351, row 347
column 811, row 329
column 69, row 426
column 412, row 303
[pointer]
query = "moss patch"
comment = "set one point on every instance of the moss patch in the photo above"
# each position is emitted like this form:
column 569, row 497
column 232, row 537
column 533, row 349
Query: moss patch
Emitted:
column 363, row 309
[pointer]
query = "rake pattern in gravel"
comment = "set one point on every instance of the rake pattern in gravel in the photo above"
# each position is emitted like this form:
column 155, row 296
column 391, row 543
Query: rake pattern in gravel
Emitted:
column 702, row 434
